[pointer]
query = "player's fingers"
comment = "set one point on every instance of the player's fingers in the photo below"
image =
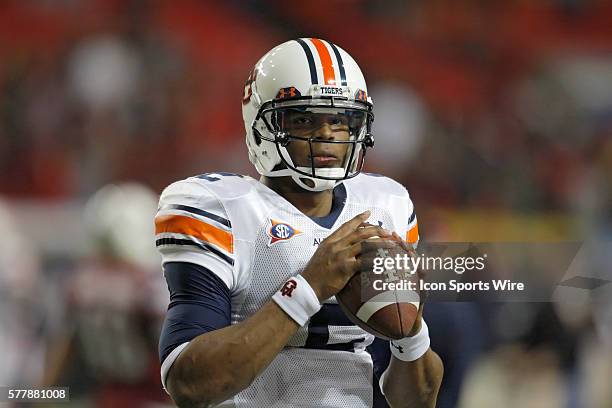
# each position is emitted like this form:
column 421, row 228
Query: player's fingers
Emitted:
column 349, row 226
column 403, row 243
column 352, row 265
column 352, row 251
column 397, row 237
column 361, row 234
column 408, row 248
column 366, row 251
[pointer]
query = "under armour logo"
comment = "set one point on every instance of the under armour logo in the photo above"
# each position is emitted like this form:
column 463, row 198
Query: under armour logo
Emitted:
column 399, row 348
column 288, row 287
column 289, row 92
column 382, row 253
column 248, row 87
column 361, row 95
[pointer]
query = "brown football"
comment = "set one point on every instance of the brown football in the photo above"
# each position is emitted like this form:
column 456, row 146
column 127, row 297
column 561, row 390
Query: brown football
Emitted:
column 386, row 313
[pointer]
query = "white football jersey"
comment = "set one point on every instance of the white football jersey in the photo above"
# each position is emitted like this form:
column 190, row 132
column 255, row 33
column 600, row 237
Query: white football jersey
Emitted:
column 254, row 240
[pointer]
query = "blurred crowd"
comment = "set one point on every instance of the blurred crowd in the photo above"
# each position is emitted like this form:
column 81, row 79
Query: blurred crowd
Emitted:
column 497, row 116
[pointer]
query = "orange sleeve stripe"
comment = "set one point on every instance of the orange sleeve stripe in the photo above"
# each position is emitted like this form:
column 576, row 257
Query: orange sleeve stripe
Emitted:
column 412, row 236
column 326, row 61
column 180, row 224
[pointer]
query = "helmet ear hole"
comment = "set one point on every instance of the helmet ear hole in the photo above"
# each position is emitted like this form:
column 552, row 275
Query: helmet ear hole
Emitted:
column 309, row 182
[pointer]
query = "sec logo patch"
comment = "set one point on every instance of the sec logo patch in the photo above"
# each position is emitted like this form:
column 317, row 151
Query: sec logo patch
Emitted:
column 281, row 231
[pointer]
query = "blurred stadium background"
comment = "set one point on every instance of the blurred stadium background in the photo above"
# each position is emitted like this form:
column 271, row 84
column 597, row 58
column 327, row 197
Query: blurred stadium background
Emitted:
column 497, row 115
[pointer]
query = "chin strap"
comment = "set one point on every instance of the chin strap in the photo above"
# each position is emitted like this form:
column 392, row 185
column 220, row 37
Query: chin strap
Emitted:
column 319, row 184
column 311, row 183
column 307, row 182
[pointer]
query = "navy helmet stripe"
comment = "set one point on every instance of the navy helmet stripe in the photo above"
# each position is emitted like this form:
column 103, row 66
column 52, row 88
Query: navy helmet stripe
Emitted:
column 340, row 64
column 311, row 63
column 198, row 211
column 202, row 246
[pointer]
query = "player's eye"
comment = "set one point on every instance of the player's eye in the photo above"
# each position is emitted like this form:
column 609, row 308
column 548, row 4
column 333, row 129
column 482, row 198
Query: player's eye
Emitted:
column 339, row 123
column 301, row 121
column 356, row 120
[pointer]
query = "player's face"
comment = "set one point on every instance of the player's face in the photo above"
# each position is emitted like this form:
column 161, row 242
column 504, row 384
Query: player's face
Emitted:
column 319, row 128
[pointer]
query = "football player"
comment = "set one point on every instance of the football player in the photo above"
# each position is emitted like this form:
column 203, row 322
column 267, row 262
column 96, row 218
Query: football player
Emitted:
column 252, row 266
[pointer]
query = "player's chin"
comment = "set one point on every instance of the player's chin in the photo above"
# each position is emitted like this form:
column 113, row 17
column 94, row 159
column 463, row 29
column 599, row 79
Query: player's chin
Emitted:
column 328, row 166
column 326, row 160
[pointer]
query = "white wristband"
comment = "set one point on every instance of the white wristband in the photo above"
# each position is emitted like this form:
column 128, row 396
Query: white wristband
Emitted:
column 411, row 348
column 297, row 298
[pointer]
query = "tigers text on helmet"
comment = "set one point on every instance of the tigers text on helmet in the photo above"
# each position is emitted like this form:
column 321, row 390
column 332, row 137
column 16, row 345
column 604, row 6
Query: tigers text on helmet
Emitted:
column 316, row 80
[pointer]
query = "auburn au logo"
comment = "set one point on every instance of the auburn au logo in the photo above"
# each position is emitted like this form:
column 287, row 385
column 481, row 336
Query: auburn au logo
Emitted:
column 281, row 231
column 288, row 287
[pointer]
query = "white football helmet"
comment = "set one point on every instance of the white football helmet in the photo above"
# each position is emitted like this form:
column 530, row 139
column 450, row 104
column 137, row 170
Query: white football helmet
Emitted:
column 312, row 76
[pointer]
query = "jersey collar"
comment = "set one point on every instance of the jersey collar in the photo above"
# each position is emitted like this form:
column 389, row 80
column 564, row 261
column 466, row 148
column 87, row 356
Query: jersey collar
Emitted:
column 328, row 221
column 339, row 200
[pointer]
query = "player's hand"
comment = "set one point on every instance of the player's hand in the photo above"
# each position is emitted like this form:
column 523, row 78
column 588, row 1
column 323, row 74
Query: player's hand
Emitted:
column 336, row 259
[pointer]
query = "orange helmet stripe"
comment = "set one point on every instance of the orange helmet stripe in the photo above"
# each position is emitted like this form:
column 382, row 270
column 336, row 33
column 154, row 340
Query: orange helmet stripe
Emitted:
column 326, row 61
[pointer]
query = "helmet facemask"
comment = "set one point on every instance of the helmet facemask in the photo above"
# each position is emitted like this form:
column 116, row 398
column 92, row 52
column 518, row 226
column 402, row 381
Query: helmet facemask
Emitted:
column 298, row 120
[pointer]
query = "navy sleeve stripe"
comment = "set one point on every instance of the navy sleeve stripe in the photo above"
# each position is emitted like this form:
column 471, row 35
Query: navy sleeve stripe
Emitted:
column 198, row 211
column 412, row 217
column 200, row 302
column 201, row 245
